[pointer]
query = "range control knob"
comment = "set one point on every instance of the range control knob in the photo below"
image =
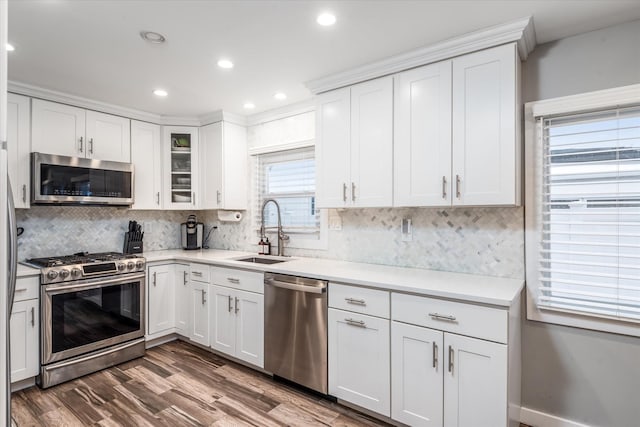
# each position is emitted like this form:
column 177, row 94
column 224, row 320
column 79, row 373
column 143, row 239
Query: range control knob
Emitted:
column 121, row 266
column 52, row 274
column 76, row 272
column 130, row 265
column 139, row 264
column 64, row 273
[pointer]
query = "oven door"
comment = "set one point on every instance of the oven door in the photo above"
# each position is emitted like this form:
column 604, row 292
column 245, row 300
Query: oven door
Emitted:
column 87, row 315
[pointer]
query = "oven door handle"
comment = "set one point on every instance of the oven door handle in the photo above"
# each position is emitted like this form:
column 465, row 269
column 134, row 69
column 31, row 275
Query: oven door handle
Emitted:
column 92, row 356
column 51, row 289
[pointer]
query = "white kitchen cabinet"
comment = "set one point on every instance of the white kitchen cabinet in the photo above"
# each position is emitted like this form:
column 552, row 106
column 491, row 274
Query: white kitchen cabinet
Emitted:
column 146, row 156
column 223, row 166
column 19, row 148
column 359, row 367
column 180, row 167
column 475, row 382
column 417, row 365
column 486, row 141
column 24, row 335
column 183, row 299
column 354, row 146
column 422, row 136
column 161, row 296
column 71, row 131
column 199, row 313
column 223, row 320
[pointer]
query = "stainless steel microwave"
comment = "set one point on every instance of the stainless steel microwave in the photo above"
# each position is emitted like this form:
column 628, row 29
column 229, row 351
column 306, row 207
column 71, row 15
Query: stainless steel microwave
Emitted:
column 75, row 180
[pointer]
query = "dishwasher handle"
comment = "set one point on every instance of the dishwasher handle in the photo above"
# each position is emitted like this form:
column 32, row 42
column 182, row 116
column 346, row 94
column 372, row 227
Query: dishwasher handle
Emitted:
column 294, row 287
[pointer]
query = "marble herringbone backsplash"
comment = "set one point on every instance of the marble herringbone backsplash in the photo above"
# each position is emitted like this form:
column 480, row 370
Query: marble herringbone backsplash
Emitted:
column 467, row 240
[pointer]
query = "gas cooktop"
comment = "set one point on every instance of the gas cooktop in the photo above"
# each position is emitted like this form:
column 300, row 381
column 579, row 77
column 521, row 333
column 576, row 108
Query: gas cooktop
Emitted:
column 80, row 258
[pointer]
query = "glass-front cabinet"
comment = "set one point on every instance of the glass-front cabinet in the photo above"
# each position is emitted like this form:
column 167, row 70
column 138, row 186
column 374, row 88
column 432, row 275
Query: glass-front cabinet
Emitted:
column 181, row 175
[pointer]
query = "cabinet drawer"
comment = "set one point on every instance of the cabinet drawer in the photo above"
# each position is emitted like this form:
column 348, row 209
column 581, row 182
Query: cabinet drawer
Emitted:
column 460, row 318
column 199, row 272
column 27, row 288
column 359, row 300
column 251, row 281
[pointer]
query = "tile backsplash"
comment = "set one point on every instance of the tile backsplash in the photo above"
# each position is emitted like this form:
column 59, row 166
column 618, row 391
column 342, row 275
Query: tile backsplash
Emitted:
column 468, row 240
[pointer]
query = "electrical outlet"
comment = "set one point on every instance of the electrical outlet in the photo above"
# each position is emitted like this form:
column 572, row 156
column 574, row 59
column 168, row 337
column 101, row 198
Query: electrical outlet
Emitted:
column 407, row 230
column 147, row 227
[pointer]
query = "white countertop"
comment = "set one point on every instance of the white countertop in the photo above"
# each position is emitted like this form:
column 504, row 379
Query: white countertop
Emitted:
column 466, row 287
column 26, row 271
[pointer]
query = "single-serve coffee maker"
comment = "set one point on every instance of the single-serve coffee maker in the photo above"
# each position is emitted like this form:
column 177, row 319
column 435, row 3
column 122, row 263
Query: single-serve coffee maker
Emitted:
column 192, row 233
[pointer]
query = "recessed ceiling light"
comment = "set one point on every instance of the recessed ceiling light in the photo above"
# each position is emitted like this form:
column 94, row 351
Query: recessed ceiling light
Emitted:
column 160, row 92
column 326, row 19
column 10, row 48
column 225, row 63
column 249, row 105
column 152, row 37
column 280, row 96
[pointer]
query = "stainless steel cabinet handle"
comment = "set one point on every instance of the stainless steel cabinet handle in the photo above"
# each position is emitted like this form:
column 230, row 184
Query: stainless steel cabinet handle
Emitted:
column 353, row 191
column 458, row 186
column 344, row 191
column 91, row 146
column 450, row 359
column 33, row 317
column 444, row 187
column 158, row 198
column 443, row 317
column 230, row 304
column 184, row 279
column 218, row 196
column 233, row 280
column 24, row 193
column 154, row 278
column 194, row 197
column 204, row 296
column 197, row 273
column 359, row 323
column 237, row 309
column 355, row 301
column 435, row 355
column 80, row 149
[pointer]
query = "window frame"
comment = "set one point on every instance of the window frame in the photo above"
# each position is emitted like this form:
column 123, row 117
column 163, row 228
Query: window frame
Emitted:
column 534, row 137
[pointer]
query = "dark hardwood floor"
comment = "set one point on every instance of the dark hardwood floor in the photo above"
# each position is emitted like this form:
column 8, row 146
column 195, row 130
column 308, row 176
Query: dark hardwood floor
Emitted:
column 177, row 384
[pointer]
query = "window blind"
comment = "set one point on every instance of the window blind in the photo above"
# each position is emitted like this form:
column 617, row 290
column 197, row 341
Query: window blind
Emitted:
column 589, row 259
column 288, row 177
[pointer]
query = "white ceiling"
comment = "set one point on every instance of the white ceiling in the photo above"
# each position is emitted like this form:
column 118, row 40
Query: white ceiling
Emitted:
column 93, row 49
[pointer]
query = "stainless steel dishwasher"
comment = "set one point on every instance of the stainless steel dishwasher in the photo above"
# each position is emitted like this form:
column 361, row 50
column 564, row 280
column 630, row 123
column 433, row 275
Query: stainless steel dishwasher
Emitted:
column 295, row 340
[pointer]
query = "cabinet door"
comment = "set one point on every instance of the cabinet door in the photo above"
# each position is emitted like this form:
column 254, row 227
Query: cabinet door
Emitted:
column 422, row 136
column 372, row 143
column 146, row 156
column 333, row 123
column 19, row 147
column 108, row 137
column 416, row 375
column 485, row 153
column 250, row 327
column 211, row 165
column 181, row 167
column 234, row 158
column 161, row 298
column 24, row 340
column 475, row 382
column 199, row 320
column 359, row 360
column 223, row 320
column 57, row 129
column 183, row 299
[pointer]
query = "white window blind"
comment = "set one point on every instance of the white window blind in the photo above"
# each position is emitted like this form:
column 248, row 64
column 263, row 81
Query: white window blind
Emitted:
column 288, row 177
column 589, row 260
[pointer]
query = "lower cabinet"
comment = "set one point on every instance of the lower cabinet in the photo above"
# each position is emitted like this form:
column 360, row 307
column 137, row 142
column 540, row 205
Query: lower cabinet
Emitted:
column 161, row 297
column 359, row 359
column 24, row 336
column 183, row 299
column 199, row 313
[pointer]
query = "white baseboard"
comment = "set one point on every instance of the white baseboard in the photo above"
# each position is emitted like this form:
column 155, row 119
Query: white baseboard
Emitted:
column 535, row 418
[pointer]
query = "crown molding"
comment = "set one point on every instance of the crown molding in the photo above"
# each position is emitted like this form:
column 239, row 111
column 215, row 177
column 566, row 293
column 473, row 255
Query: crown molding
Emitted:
column 520, row 31
column 281, row 112
column 220, row 116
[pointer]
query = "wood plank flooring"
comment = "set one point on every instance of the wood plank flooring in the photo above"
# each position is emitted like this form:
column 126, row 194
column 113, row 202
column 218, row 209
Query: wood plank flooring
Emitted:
column 177, row 384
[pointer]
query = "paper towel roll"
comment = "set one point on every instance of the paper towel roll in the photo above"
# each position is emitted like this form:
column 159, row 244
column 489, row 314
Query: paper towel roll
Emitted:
column 229, row 216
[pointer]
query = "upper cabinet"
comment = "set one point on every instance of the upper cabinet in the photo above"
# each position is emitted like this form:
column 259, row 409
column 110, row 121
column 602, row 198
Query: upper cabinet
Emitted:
column 72, row 131
column 181, row 167
column 18, row 147
column 354, row 146
column 146, row 156
column 223, row 166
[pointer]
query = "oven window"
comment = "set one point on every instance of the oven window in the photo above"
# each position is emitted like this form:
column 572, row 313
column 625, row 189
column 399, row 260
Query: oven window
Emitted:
column 88, row 316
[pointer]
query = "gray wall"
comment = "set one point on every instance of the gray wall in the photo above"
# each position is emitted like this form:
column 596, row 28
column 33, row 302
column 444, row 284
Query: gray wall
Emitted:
column 582, row 375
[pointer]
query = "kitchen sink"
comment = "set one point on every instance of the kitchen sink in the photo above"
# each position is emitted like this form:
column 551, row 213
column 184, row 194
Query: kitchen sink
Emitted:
column 261, row 260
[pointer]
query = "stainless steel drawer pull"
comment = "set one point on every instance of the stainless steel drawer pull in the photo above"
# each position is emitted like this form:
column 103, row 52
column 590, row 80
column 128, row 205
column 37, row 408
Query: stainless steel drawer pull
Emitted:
column 233, row 280
column 237, row 309
column 353, row 191
column 230, row 303
column 450, row 359
column 204, row 297
column 444, row 187
column 355, row 301
column 197, row 273
column 184, row 279
column 158, row 198
column 218, row 197
column 443, row 317
column 359, row 323
column 33, row 317
column 458, row 186
column 435, row 355
column 20, row 290
column 344, row 191
column 91, row 146
column 154, row 278
column 81, row 144
column 24, row 193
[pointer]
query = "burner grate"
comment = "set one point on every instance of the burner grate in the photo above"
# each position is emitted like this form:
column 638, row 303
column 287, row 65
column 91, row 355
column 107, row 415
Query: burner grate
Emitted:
column 77, row 259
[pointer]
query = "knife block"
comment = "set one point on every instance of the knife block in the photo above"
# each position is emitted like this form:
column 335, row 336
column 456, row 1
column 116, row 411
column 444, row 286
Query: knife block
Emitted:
column 132, row 243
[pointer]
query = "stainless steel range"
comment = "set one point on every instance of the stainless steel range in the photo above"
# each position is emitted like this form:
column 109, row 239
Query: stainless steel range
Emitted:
column 92, row 313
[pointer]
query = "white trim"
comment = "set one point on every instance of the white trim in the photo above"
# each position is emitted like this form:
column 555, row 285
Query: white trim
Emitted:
column 290, row 110
column 264, row 149
column 542, row 419
column 520, row 31
column 601, row 99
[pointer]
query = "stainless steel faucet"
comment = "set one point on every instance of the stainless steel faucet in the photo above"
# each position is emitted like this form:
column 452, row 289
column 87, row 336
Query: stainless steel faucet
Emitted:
column 281, row 236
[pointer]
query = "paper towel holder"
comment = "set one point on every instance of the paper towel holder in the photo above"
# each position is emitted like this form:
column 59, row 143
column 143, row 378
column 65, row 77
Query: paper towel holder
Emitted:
column 229, row 216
